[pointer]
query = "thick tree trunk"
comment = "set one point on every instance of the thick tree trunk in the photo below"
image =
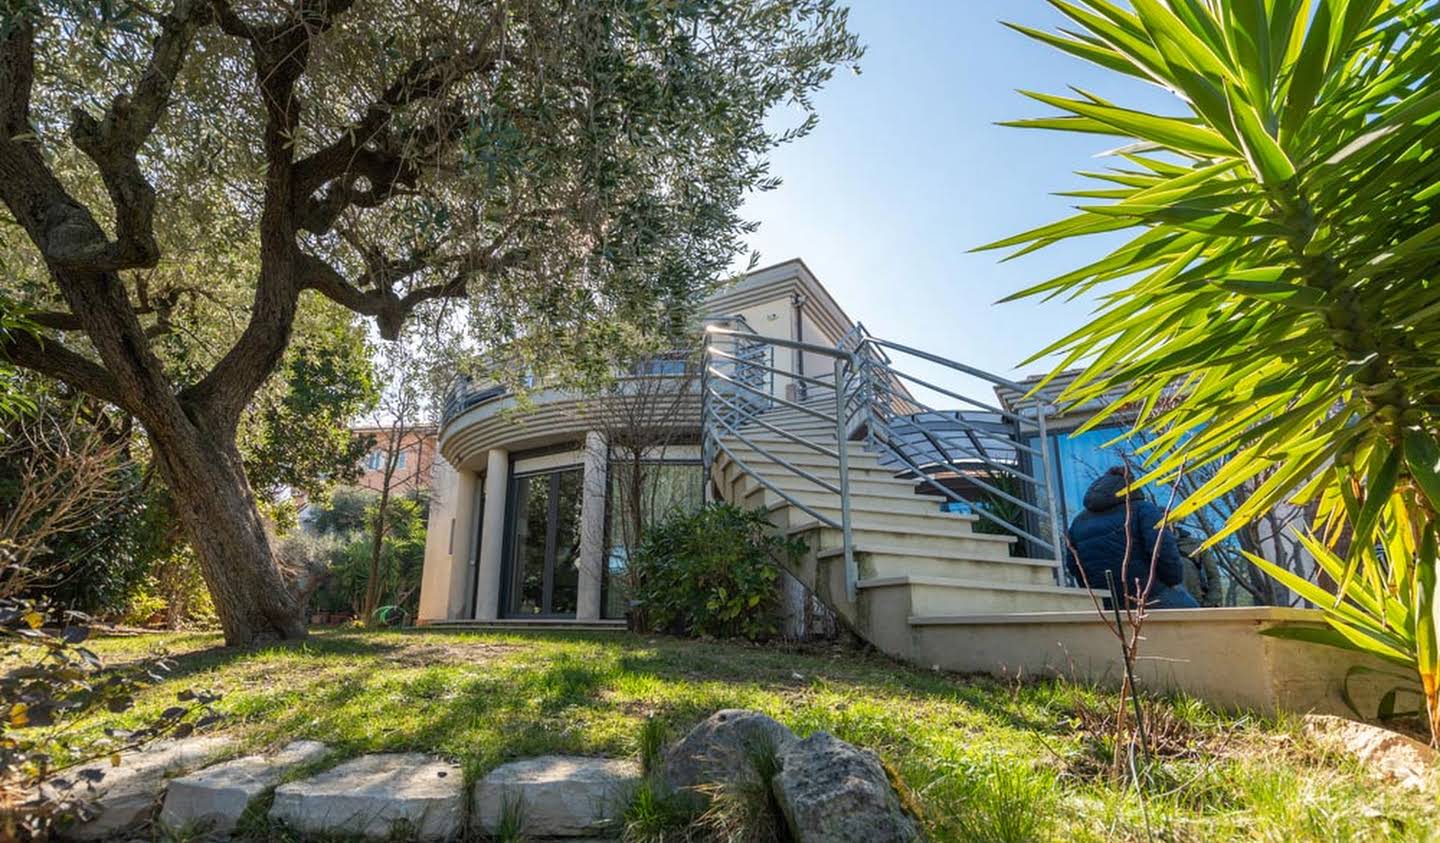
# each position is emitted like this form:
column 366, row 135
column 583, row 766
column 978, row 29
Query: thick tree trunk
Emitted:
column 255, row 603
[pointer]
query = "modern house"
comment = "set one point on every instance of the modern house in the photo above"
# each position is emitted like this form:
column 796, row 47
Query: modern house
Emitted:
column 521, row 524
column 928, row 492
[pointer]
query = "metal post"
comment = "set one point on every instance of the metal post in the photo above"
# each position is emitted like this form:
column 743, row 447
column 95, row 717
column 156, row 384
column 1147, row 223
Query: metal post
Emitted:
column 705, row 454
column 1057, row 530
column 842, row 449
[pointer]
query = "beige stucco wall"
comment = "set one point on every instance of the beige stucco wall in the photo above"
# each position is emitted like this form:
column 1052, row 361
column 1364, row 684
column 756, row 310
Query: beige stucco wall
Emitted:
column 443, row 538
column 1218, row 655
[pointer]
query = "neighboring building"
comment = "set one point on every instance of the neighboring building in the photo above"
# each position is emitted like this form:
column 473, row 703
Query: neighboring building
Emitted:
column 414, row 464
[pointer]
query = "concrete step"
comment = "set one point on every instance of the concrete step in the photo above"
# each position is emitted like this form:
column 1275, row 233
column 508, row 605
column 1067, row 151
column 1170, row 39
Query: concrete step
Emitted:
column 882, row 486
column 817, row 464
column 781, row 445
column 821, row 433
column 932, row 596
column 890, row 519
column 901, row 503
column 520, row 624
column 945, row 538
column 737, row 487
column 878, row 561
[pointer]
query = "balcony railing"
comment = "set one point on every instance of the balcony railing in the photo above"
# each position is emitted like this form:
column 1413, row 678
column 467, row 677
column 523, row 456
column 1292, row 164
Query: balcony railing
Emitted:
column 467, row 393
column 984, row 449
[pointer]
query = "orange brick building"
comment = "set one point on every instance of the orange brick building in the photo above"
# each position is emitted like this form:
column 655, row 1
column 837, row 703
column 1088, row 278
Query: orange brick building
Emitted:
column 412, row 468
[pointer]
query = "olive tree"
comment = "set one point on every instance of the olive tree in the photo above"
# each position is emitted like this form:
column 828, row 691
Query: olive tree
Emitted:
column 545, row 165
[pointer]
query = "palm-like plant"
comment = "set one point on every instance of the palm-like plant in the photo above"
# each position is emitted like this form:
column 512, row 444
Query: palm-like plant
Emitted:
column 1278, row 309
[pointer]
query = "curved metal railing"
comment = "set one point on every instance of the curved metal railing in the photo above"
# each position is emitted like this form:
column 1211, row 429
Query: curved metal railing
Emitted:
column 990, row 461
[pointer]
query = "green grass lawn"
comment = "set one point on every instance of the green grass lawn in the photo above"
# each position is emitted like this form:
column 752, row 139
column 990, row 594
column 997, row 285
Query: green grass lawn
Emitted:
column 985, row 760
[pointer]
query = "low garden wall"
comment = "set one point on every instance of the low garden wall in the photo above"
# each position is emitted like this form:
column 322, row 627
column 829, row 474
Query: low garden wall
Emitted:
column 1216, row 654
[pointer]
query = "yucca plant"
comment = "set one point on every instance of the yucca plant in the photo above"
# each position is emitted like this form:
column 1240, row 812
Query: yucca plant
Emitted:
column 1278, row 309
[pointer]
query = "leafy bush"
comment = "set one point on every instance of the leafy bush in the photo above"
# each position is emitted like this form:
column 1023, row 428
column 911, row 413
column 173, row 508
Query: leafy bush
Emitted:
column 52, row 683
column 712, row 572
column 347, row 510
column 342, row 545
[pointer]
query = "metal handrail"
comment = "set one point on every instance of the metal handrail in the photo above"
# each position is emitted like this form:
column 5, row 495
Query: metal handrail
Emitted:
column 870, row 401
column 783, row 343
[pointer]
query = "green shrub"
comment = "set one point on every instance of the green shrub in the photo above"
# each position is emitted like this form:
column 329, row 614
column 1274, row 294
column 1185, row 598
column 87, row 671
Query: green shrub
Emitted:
column 711, row 572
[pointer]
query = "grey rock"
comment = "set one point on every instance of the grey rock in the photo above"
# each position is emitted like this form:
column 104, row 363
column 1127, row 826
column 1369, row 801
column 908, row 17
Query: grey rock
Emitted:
column 721, row 749
column 125, row 796
column 215, row 798
column 557, row 795
column 369, row 796
column 830, row 792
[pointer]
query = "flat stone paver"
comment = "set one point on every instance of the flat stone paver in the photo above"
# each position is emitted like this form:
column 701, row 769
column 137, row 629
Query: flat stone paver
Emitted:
column 126, row 795
column 214, row 798
column 370, row 795
column 557, row 795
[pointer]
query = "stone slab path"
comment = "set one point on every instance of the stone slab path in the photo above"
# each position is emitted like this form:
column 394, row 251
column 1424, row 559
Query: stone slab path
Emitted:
column 371, row 795
column 557, row 795
column 127, row 794
column 215, row 798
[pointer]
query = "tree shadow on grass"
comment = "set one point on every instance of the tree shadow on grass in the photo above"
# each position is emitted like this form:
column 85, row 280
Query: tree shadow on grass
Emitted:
column 339, row 644
column 551, row 700
column 1004, row 703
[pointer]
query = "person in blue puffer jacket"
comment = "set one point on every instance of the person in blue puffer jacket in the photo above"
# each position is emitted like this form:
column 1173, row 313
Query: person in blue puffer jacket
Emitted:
column 1098, row 538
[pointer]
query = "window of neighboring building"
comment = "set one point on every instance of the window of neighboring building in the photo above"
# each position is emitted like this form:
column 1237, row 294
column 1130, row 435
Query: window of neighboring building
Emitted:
column 375, row 460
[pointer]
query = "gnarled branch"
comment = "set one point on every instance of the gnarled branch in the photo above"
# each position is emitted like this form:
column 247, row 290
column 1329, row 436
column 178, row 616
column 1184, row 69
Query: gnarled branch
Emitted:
column 113, row 142
column 423, row 79
column 50, row 358
column 377, row 297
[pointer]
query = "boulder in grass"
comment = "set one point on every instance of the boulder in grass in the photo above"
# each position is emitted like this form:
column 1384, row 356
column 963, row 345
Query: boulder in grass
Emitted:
column 829, row 790
column 721, row 749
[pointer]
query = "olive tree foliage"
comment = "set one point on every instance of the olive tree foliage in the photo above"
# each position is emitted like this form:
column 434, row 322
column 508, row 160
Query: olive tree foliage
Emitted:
column 1276, row 314
column 297, row 435
column 546, row 166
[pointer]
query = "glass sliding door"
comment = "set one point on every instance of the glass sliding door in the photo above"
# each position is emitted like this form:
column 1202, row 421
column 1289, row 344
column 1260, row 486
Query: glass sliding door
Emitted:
column 544, row 544
column 569, row 487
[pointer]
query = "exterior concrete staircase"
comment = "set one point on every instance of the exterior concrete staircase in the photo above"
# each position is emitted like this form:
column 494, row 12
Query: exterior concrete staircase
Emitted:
column 916, row 565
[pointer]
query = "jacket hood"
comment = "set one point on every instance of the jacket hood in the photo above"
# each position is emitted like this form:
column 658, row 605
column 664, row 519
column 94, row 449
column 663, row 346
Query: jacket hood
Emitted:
column 1104, row 493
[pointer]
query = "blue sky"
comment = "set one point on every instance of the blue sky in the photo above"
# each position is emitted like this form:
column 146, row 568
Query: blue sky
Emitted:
column 907, row 172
